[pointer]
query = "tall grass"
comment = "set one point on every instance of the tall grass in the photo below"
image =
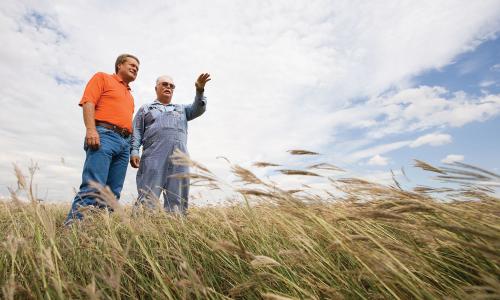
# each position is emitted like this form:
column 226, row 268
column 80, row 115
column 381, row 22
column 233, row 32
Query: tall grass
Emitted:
column 371, row 242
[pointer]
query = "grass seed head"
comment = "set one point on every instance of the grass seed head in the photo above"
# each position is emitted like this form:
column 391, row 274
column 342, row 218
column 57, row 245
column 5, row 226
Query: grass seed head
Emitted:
column 263, row 261
column 302, row 152
column 263, row 164
column 271, row 296
column 298, row 172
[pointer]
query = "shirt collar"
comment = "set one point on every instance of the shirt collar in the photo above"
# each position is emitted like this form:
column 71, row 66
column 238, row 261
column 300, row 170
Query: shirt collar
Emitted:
column 121, row 81
column 158, row 102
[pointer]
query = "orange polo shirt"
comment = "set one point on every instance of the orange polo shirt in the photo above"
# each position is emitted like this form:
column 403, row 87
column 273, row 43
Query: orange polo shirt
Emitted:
column 113, row 102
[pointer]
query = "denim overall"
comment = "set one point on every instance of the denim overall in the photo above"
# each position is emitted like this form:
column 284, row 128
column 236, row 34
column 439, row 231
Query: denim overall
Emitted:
column 161, row 129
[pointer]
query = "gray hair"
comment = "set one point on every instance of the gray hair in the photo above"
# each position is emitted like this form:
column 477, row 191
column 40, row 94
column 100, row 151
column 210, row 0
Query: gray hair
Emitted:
column 162, row 76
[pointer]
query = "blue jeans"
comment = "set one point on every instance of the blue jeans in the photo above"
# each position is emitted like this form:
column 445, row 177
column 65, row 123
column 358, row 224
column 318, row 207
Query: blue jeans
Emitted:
column 105, row 166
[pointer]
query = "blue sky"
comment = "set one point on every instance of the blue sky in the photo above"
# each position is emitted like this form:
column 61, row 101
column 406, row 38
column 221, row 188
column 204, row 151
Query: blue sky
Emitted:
column 370, row 85
column 476, row 72
column 471, row 71
column 478, row 141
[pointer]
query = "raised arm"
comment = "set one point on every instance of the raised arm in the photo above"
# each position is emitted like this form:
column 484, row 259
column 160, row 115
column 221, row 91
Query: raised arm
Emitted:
column 200, row 101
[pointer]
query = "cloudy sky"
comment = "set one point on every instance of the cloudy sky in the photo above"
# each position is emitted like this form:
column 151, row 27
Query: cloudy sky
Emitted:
column 370, row 85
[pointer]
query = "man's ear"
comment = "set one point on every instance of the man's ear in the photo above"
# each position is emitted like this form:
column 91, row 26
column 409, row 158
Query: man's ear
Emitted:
column 118, row 67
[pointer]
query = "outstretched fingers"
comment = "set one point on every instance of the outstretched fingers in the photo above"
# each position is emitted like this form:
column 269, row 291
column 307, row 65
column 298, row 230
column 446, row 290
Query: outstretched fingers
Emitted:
column 203, row 78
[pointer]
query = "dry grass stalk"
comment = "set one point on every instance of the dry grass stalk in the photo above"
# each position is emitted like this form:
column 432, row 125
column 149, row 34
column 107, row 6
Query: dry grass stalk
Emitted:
column 353, row 181
column 257, row 193
column 492, row 253
column 10, row 288
column 242, row 289
column 464, row 230
column 194, row 176
column 427, row 167
column 233, row 249
column 245, row 175
column 271, row 296
column 302, row 152
column 427, row 189
column 92, row 292
column 325, row 166
column 466, row 173
column 14, row 198
column 471, row 167
column 413, row 208
column 381, row 215
column 294, row 191
column 291, row 253
column 263, row 164
column 298, row 172
column 104, row 196
column 263, row 261
column 378, row 243
column 357, row 237
column 207, row 180
column 21, row 179
column 180, row 158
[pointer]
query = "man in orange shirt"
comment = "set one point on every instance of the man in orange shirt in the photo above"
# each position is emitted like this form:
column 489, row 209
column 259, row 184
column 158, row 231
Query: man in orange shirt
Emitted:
column 108, row 107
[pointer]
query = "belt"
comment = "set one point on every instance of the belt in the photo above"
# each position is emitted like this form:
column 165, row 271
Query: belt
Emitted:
column 121, row 131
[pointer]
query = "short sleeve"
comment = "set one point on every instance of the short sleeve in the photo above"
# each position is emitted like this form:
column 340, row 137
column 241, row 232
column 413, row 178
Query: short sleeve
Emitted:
column 93, row 90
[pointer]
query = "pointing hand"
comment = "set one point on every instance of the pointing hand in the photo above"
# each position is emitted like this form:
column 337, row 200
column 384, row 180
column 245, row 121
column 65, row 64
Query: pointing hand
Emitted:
column 202, row 80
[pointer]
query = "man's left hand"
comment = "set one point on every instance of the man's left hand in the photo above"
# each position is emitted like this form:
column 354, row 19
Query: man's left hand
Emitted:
column 135, row 161
column 201, row 81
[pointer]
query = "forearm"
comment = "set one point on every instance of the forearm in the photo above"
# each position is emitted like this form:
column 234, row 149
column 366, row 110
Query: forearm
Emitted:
column 199, row 97
column 135, row 145
column 199, row 105
column 137, row 134
column 89, row 115
column 92, row 139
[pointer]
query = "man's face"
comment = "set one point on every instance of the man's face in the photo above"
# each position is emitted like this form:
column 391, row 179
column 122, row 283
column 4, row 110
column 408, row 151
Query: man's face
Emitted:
column 165, row 88
column 128, row 69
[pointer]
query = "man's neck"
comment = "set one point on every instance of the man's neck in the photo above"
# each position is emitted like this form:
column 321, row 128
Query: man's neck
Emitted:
column 125, row 81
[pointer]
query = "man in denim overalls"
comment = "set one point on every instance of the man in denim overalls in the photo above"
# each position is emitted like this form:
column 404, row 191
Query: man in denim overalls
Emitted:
column 161, row 127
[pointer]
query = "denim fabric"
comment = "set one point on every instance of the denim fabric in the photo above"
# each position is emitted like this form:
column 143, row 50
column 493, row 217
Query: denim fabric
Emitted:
column 105, row 166
column 146, row 115
column 160, row 129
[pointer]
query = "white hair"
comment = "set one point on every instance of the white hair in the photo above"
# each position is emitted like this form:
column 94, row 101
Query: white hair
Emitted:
column 164, row 76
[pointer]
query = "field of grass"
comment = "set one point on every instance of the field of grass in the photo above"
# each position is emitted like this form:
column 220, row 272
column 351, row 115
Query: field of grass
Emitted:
column 372, row 242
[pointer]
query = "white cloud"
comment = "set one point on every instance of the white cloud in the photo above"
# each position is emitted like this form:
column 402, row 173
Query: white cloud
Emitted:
column 451, row 158
column 486, row 83
column 376, row 150
column 381, row 177
column 283, row 72
column 433, row 139
column 378, row 160
column 416, row 109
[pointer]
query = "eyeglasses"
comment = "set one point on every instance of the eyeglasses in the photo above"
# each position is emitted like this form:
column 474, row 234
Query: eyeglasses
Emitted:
column 168, row 85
